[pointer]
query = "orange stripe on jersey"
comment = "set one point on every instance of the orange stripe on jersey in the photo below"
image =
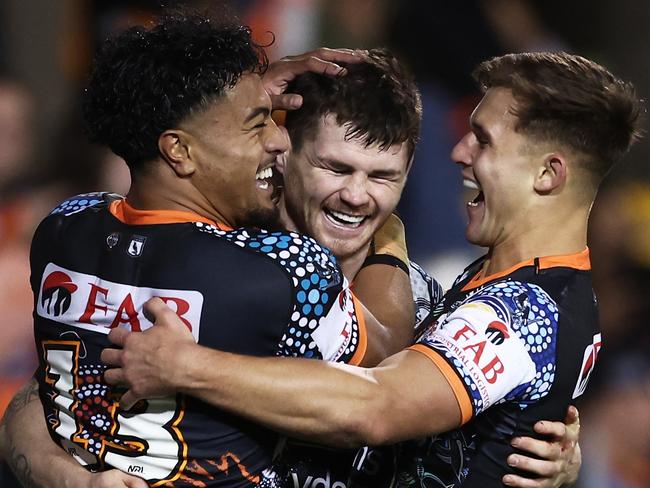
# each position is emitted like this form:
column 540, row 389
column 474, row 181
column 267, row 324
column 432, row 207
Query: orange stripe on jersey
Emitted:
column 126, row 214
column 363, row 334
column 579, row 261
column 450, row 374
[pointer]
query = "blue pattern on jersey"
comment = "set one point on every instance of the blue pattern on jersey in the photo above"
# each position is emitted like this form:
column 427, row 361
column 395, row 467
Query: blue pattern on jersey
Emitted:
column 77, row 204
column 315, row 277
column 533, row 315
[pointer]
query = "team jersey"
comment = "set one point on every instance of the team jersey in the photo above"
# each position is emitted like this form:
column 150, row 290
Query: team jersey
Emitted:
column 95, row 260
column 515, row 348
column 304, row 465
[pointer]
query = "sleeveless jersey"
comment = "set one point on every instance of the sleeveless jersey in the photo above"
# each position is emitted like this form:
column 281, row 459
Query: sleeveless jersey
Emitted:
column 95, row 261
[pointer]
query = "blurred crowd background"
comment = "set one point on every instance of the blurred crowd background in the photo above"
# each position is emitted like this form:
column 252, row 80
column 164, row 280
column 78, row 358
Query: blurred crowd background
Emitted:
column 46, row 47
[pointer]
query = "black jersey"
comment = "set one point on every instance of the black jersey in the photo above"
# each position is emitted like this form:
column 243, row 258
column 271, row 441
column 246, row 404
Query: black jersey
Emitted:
column 95, row 261
column 516, row 348
column 304, row 465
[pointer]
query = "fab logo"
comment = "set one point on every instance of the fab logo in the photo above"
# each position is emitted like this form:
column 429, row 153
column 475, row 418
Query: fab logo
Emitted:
column 92, row 303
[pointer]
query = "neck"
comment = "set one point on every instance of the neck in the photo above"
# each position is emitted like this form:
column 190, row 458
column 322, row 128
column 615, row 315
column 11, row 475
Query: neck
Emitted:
column 157, row 187
column 350, row 265
column 563, row 233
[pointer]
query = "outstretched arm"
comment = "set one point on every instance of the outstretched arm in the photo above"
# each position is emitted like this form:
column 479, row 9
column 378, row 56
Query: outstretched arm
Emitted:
column 406, row 396
column 36, row 460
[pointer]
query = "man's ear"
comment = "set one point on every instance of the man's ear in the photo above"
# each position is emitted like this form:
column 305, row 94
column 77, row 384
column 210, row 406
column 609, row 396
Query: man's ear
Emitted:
column 552, row 174
column 174, row 147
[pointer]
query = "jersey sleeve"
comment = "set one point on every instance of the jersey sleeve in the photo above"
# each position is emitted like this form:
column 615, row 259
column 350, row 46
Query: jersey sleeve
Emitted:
column 499, row 342
column 427, row 293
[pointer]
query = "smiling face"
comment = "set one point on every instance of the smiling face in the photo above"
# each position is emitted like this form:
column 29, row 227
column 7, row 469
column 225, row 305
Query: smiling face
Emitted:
column 341, row 192
column 496, row 161
column 234, row 145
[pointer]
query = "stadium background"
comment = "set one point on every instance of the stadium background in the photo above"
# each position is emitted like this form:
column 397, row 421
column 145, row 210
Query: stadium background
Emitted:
column 45, row 49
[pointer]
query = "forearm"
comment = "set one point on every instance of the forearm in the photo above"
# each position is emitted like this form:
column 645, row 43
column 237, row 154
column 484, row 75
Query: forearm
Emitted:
column 28, row 449
column 386, row 291
column 330, row 403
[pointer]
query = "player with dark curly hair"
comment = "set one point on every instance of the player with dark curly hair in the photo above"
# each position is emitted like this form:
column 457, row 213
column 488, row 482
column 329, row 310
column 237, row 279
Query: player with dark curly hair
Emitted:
column 513, row 341
column 184, row 103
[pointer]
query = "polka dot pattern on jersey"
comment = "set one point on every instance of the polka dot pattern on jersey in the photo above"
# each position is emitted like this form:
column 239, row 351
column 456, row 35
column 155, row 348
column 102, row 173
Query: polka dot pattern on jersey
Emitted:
column 534, row 316
column 78, row 203
column 316, row 279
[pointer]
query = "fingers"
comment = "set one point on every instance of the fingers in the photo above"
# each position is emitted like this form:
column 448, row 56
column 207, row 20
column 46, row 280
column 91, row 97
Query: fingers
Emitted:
column 111, row 357
column 514, row 480
column 153, row 308
column 572, row 415
column 114, row 376
column 118, row 336
column 536, row 466
column 288, row 101
column 540, row 448
column 128, row 400
column 557, row 430
column 339, row 55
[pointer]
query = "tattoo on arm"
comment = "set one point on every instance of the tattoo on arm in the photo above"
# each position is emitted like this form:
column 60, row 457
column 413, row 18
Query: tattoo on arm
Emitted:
column 17, row 460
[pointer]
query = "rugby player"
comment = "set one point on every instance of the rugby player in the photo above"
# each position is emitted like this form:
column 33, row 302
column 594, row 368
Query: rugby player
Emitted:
column 515, row 338
column 326, row 169
column 184, row 104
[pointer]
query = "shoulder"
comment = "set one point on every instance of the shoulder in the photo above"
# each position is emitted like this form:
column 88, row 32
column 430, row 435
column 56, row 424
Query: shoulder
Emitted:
column 81, row 202
column 300, row 256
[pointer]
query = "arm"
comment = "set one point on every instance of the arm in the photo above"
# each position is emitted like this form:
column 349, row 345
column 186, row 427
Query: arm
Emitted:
column 406, row 396
column 383, row 285
column 34, row 457
column 560, row 456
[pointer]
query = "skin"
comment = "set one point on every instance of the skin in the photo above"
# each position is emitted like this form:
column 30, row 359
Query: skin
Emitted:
column 202, row 173
column 331, row 173
column 406, row 395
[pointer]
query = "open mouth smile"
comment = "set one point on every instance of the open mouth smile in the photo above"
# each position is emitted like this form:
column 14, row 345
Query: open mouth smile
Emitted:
column 345, row 219
column 473, row 185
column 263, row 178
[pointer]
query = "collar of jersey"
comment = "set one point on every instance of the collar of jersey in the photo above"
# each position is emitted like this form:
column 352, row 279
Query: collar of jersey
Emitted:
column 126, row 214
column 579, row 261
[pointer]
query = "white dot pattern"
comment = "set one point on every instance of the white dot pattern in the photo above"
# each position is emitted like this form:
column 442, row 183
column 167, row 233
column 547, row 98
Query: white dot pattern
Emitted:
column 78, row 203
column 316, row 279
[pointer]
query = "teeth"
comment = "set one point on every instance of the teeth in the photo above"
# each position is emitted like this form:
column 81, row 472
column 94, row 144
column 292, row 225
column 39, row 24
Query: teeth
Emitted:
column 265, row 173
column 471, row 184
column 263, row 185
column 352, row 219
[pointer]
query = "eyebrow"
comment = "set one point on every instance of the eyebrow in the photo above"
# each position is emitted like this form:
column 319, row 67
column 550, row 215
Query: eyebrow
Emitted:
column 480, row 130
column 342, row 166
column 264, row 111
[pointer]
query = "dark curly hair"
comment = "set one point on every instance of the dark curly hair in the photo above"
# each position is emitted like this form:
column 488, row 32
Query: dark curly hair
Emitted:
column 378, row 99
column 571, row 100
column 146, row 80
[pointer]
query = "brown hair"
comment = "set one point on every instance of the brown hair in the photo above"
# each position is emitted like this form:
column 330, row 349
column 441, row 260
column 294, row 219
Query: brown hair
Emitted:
column 377, row 98
column 571, row 100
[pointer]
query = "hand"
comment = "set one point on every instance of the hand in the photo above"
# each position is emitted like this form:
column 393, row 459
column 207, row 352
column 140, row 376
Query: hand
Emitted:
column 280, row 73
column 150, row 361
column 115, row 479
column 561, row 456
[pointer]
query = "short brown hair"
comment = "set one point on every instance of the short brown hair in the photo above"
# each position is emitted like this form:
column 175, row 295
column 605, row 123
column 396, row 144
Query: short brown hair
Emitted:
column 571, row 100
column 377, row 98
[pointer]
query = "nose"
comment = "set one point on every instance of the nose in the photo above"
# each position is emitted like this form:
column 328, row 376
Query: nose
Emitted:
column 276, row 139
column 355, row 192
column 462, row 151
